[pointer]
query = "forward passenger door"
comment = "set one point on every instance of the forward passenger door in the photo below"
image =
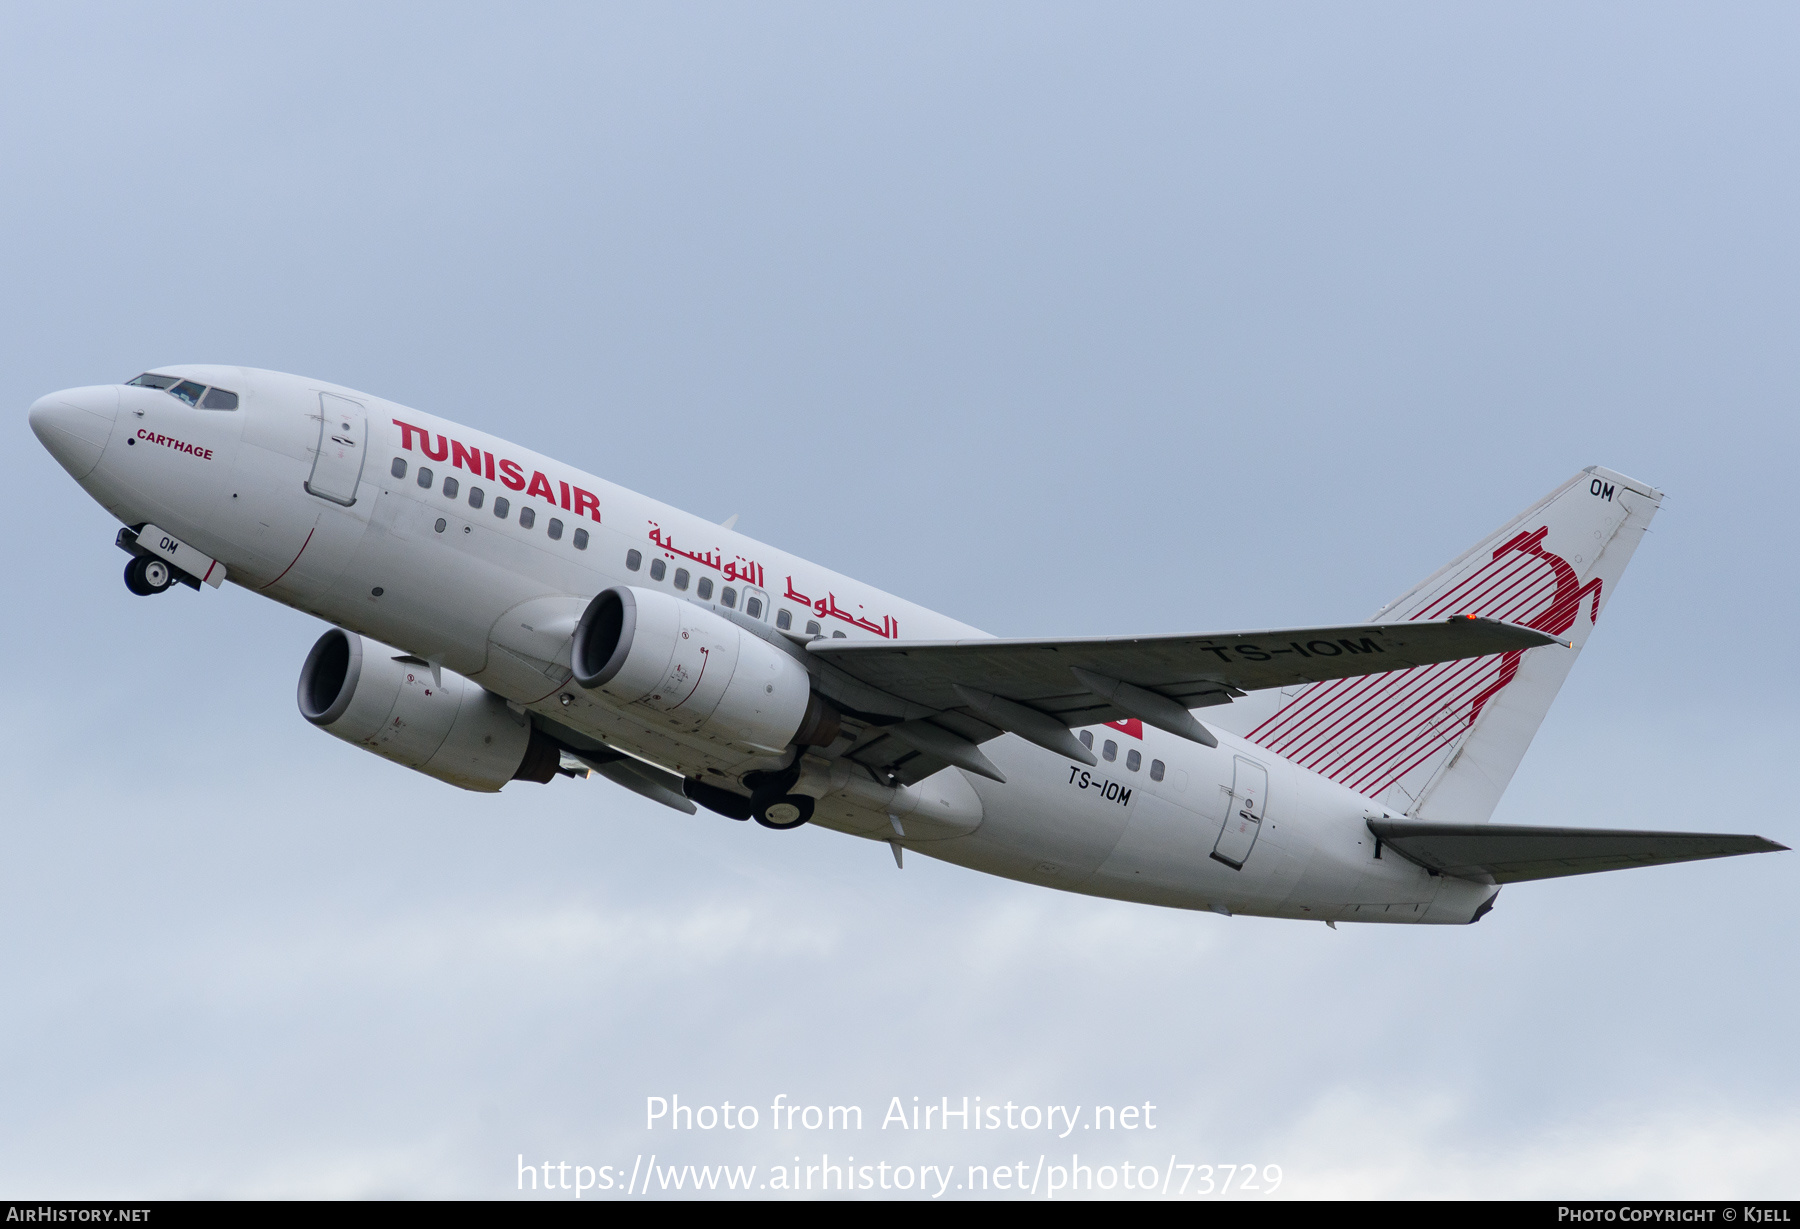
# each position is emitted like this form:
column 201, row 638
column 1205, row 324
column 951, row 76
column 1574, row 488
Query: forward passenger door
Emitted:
column 338, row 464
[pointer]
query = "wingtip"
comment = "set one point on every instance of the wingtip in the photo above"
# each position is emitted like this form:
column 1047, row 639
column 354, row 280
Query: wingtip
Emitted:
column 1763, row 845
column 1543, row 637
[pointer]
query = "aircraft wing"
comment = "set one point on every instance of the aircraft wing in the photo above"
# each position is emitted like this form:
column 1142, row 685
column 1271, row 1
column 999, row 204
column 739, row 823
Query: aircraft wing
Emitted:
column 976, row 689
column 1502, row 853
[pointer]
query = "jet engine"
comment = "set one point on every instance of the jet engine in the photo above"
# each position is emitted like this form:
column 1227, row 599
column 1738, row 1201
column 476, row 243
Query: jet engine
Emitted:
column 696, row 673
column 437, row 722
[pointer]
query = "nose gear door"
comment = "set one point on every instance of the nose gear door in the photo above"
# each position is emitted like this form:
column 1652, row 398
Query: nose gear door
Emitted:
column 1243, row 818
column 338, row 465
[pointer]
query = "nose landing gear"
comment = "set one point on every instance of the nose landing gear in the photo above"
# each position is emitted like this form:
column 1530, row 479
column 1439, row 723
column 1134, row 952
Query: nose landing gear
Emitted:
column 147, row 576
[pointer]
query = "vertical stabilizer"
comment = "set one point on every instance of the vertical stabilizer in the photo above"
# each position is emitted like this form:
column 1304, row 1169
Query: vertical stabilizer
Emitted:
column 1442, row 742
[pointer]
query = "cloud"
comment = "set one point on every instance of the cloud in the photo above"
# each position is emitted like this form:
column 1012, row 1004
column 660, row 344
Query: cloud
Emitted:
column 1365, row 1147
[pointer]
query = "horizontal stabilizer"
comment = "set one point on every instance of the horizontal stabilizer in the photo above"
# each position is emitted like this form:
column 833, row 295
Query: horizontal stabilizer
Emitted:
column 1504, row 853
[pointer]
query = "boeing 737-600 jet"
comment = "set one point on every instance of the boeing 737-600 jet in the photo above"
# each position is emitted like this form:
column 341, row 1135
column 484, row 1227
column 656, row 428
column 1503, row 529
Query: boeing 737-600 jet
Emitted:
column 501, row 616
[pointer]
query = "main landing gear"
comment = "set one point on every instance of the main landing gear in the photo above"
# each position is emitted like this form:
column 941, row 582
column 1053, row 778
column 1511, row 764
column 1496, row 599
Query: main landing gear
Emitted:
column 787, row 811
column 147, row 575
column 769, row 803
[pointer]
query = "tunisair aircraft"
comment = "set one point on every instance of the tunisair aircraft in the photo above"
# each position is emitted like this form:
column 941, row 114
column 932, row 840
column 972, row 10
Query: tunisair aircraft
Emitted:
column 501, row 616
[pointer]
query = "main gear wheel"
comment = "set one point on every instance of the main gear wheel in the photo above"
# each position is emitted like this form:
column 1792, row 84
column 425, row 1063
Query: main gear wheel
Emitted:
column 787, row 811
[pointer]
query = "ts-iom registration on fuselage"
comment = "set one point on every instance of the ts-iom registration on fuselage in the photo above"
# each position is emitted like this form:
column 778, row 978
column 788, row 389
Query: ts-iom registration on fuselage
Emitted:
column 500, row 616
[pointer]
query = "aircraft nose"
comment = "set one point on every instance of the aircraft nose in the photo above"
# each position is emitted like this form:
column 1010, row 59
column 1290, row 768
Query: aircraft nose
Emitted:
column 75, row 424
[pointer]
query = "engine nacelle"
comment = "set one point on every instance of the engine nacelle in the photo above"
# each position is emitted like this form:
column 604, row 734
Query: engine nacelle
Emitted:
column 686, row 669
column 358, row 690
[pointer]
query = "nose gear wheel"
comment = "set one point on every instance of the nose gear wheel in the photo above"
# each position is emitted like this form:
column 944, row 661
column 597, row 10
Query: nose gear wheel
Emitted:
column 147, row 576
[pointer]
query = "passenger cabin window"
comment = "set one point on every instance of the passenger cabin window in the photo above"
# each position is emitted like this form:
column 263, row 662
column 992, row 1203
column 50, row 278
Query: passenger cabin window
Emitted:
column 218, row 399
column 1156, row 770
column 580, row 539
column 1133, row 761
column 501, row 506
column 425, row 477
column 555, row 529
column 475, row 497
column 839, row 636
column 635, row 560
column 658, row 569
column 784, row 619
column 1110, row 751
column 812, row 627
column 398, row 468
column 1087, row 739
column 451, row 487
column 527, row 516
column 189, row 391
column 703, row 590
column 681, row 578
column 753, row 607
column 728, row 598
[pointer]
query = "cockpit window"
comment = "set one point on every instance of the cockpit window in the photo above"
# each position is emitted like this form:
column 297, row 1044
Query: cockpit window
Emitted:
column 190, row 392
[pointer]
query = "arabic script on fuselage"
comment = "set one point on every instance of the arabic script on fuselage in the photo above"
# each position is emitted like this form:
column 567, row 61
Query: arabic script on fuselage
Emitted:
column 827, row 608
column 748, row 572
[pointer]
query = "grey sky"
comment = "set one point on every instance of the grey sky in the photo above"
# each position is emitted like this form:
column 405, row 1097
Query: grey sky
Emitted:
column 1057, row 319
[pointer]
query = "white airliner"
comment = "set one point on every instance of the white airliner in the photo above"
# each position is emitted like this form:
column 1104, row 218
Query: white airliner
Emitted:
column 501, row 616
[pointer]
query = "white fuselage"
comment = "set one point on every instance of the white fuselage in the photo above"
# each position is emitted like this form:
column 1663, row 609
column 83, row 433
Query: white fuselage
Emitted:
column 465, row 589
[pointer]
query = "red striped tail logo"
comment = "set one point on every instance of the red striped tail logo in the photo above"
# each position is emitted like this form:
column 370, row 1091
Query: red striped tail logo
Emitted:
column 1367, row 733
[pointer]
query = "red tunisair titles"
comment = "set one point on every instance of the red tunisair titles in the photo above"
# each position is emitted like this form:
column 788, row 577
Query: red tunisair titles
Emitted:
column 509, row 474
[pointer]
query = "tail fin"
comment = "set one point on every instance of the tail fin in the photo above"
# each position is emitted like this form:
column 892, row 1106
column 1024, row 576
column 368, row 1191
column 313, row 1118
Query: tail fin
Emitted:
column 1442, row 742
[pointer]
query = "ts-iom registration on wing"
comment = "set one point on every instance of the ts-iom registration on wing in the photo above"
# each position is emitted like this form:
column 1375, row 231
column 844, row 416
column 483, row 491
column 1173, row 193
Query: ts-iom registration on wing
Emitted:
column 498, row 616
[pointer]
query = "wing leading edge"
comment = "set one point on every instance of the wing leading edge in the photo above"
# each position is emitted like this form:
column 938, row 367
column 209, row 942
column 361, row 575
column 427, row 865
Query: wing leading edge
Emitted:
column 1502, row 853
column 1186, row 668
column 974, row 690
